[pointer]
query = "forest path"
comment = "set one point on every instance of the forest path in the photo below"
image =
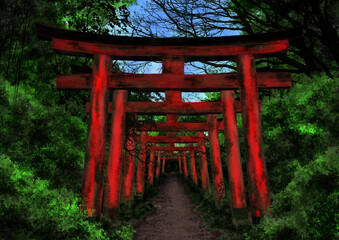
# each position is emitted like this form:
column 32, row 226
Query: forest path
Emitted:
column 174, row 218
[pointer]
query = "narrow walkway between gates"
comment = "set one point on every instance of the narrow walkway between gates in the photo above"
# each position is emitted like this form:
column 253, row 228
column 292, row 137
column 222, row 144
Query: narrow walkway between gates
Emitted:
column 174, row 218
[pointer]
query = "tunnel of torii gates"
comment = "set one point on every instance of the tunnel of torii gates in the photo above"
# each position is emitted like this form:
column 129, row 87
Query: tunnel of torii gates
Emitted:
column 173, row 53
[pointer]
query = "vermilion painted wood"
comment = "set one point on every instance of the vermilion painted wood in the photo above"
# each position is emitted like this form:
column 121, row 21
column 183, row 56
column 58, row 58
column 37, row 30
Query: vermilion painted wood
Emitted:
column 115, row 156
column 232, row 150
column 92, row 186
column 180, row 165
column 176, row 127
column 174, row 108
column 151, row 168
column 205, row 180
column 168, row 139
column 188, row 108
column 140, row 181
column 157, row 172
column 161, row 82
column 218, row 178
column 71, row 47
column 129, row 164
column 177, row 108
column 171, row 155
column 172, row 65
column 171, row 149
column 48, row 33
column 183, row 157
column 163, row 165
column 256, row 166
column 193, row 169
column 177, row 139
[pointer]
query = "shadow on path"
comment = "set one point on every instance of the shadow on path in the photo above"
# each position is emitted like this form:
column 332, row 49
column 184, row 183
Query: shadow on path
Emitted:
column 173, row 218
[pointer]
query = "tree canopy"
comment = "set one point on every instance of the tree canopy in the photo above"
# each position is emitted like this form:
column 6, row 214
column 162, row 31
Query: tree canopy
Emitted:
column 316, row 51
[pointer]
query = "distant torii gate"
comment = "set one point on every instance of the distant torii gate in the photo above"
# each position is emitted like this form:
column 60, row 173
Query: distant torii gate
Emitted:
column 182, row 156
column 173, row 52
column 178, row 157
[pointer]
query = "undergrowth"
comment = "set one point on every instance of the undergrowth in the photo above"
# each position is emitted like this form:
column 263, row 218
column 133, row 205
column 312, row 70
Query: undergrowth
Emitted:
column 301, row 151
column 41, row 164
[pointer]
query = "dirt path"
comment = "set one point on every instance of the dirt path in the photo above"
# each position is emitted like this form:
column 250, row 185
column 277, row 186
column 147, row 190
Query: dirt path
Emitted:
column 173, row 218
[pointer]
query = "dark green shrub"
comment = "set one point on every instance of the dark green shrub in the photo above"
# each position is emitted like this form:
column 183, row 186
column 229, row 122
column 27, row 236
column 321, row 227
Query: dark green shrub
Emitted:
column 44, row 138
column 325, row 218
column 31, row 210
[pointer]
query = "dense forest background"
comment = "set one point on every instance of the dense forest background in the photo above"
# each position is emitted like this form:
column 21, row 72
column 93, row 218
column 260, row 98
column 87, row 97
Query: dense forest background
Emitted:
column 43, row 131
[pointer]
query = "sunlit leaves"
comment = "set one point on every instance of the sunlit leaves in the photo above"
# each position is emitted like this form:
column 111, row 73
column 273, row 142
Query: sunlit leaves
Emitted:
column 97, row 16
column 39, row 210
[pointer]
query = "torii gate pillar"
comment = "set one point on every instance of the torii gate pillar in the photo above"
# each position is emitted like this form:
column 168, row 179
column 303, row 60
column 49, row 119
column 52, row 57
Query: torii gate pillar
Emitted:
column 151, row 167
column 180, row 165
column 129, row 163
column 115, row 156
column 157, row 172
column 140, row 180
column 235, row 173
column 218, row 179
column 193, row 169
column 163, row 164
column 184, row 164
column 205, row 179
column 256, row 166
column 92, row 186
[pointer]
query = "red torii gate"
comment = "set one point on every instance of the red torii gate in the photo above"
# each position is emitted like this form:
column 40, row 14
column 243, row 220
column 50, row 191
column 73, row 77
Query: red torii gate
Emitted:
column 168, row 156
column 173, row 53
column 178, row 126
column 181, row 139
column 182, row 158
column 192, row 163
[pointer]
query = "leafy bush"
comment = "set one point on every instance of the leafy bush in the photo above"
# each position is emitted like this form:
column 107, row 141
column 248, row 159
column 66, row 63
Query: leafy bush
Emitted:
column 306, row 208
column 49, row 146
column 302, row 160
column 125, row 233
column 299, row 127
column 321, row 225
column 46, row 139
column 31, row 210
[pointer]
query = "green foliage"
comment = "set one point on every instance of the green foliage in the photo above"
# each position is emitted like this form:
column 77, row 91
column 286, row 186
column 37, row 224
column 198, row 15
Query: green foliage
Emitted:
column 30, row 209
column 43, row 131
column 49, row 140
column 321, row 224
column 301, row 151
column 125, row 233
column 299, row 127
column 96, row 16
column 306, row 208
